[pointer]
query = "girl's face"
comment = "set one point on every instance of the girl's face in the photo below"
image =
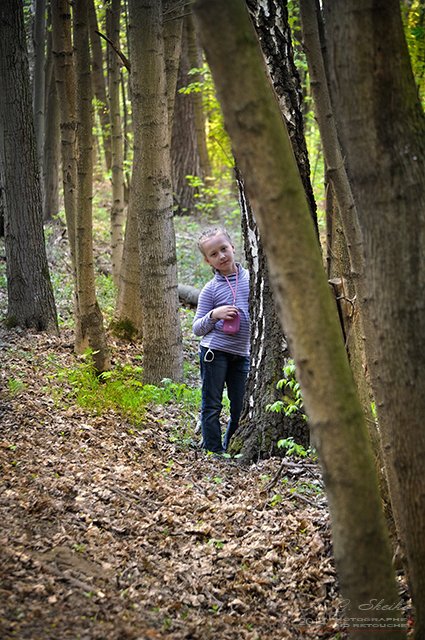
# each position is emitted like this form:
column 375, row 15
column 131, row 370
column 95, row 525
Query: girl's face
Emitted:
column 220, row 254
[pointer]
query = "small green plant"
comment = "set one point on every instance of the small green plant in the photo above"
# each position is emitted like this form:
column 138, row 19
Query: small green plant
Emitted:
column 123, row 391
column 293, row 448
column 292, row 399
column 15, row 386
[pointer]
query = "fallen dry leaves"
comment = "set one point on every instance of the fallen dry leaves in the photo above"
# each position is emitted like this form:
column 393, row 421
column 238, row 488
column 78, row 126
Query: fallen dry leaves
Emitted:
column 109, row 532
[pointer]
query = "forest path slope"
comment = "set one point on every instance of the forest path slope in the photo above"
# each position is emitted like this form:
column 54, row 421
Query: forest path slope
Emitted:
column 112, row 532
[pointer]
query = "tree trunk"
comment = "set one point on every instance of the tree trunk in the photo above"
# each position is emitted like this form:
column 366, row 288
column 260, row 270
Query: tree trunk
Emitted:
column 117, row 171
column 185, row 160
column 173, row 25
column 195, row 62
column 65, row 84
column 127, row 321
column 151, row 189
column 382, row 127
column 260, row 430
column 99, row 88
column 30, row 294
column 52, row 138
column 93, row 334
column 39, row 41
column 345, row 261
column 264, row 153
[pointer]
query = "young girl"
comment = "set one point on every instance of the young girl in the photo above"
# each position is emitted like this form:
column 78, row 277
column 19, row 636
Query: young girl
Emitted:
column 222, row 319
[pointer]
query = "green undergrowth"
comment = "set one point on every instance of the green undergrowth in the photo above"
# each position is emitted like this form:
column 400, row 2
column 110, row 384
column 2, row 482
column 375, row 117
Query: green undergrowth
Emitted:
column 122, row 391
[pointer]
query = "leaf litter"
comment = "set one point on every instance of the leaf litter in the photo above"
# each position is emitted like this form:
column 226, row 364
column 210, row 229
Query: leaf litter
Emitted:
column 113, row 532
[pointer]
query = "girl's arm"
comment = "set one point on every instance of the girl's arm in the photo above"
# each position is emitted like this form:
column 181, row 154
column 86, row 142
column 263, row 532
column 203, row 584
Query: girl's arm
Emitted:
column 203, row 322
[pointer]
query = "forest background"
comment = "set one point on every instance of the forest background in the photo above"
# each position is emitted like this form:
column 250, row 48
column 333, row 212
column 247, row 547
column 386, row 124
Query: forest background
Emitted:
column 206, row 199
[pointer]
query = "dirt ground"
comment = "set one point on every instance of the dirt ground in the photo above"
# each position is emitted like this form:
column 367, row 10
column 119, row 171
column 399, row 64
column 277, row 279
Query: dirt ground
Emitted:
column 111, row 532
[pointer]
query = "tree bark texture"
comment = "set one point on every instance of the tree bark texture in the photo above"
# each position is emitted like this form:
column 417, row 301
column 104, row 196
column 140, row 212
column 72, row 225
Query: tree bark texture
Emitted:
column 185, row 158
column 116, row 140
column 151, row 184
column 30, row 295
column 263, row 150
column 93, row 334
column 270, row 19
column 382, row 127
column 345, row 261
column 260, row 430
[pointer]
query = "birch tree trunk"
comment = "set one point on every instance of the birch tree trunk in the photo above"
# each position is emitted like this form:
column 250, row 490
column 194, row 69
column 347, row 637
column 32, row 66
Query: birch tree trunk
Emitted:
column 93, row 334
column 151, row 187
column 30, row 294
column 260, row 430
column 381, row 128
column 264, row 153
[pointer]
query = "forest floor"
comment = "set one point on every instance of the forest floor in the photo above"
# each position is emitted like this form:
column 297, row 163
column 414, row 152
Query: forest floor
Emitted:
column 112, row 532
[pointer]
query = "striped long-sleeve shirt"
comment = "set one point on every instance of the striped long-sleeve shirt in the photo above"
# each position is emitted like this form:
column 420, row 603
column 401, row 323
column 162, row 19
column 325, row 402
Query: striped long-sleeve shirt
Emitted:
column 217, row 293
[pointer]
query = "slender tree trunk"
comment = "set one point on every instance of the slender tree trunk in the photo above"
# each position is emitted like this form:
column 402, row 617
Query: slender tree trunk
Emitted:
column 195, row 61
column 117, row 171
column 185, row 159
column 264, row 153
column 39, row 41
column 99, row 87
column 93, row 334
column 162, row 346
column 65, row 84
column 30, row 295
column 52, row 137
column 173, row 25
column 381, row 127
column 128, row 322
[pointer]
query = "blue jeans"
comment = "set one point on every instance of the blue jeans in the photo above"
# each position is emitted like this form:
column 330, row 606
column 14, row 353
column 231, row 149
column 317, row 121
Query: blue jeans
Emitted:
column 217, row 369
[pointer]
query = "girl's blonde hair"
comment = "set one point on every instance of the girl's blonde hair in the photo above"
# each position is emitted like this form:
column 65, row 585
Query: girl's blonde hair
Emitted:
column 210, row 233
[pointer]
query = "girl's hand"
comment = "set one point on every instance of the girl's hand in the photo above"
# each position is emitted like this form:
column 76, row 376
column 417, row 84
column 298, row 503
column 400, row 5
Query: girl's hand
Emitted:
column 227, row 312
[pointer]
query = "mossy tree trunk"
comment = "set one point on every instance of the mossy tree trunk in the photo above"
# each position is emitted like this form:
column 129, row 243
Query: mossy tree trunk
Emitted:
column 264, row 154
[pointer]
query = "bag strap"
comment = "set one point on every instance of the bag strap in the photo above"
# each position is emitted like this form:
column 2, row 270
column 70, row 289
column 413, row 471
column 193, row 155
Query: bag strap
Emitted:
column 235, row 290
